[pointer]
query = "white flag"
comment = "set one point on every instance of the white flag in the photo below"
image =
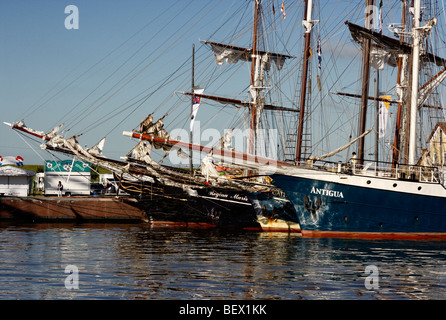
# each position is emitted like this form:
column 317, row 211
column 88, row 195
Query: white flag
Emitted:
column 195, row 106
column 383, row 116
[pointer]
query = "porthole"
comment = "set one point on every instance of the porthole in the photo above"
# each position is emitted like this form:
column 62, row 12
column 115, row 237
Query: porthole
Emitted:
column 419, row 188
column 369, row 182
column 394, row 185
column 380, row 224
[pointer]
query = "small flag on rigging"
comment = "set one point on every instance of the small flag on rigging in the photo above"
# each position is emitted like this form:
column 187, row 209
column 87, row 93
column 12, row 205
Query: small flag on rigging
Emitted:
column 319, row 53
column 195, row 104
column 383, row 116
column 282, row 8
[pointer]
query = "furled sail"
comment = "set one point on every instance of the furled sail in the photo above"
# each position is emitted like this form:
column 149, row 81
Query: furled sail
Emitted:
column 226, row 140
column 141, row 151
column 379, row 57
column 97, row 149
column 233, row 54
column 157, row 129
column 146, row 123
column 391, row 45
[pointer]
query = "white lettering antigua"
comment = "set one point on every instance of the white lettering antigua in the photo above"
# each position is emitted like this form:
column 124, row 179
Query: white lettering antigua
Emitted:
column 326, row 192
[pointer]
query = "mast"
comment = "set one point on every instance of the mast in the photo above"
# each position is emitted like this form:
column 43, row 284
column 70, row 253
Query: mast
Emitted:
column 414, row 89
column 192, row 108
column 254, row 80
column 236, row 102
column 396, row 141
column 377, row 117
column 308, row 24
column 365, row 86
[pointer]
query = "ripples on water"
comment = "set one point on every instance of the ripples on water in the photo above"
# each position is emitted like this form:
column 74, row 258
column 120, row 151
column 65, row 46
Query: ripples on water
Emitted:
column 139, row 262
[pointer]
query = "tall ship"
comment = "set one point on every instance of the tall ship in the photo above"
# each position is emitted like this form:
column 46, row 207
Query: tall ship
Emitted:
column 215, row 193
column 359, row 75
column 404, row 197
column 232, row 194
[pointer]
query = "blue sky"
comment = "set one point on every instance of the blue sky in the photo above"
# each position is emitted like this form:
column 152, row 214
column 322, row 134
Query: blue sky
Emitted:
column 46, row 69
column 122, row 52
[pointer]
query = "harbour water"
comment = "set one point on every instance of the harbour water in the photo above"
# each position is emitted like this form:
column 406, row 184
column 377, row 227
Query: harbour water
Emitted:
column 139, row 262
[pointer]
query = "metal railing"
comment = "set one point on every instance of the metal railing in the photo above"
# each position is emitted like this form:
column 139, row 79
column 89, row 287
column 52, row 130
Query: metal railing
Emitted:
column 381, row 169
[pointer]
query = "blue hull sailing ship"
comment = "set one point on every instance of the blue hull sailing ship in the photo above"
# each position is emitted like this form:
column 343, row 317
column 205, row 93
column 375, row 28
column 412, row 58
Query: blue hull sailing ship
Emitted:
column 377, row 200
column 363, row 205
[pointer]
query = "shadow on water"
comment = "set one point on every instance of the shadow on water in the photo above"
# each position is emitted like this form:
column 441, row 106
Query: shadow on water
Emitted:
column 137, row 261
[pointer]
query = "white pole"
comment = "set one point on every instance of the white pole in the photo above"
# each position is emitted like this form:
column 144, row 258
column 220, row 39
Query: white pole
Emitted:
column 308, row 24
column 414, row 93
column 71, row 170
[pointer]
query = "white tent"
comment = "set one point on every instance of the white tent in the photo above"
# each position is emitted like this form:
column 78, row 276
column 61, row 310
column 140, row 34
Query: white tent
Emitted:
column 15, row 181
